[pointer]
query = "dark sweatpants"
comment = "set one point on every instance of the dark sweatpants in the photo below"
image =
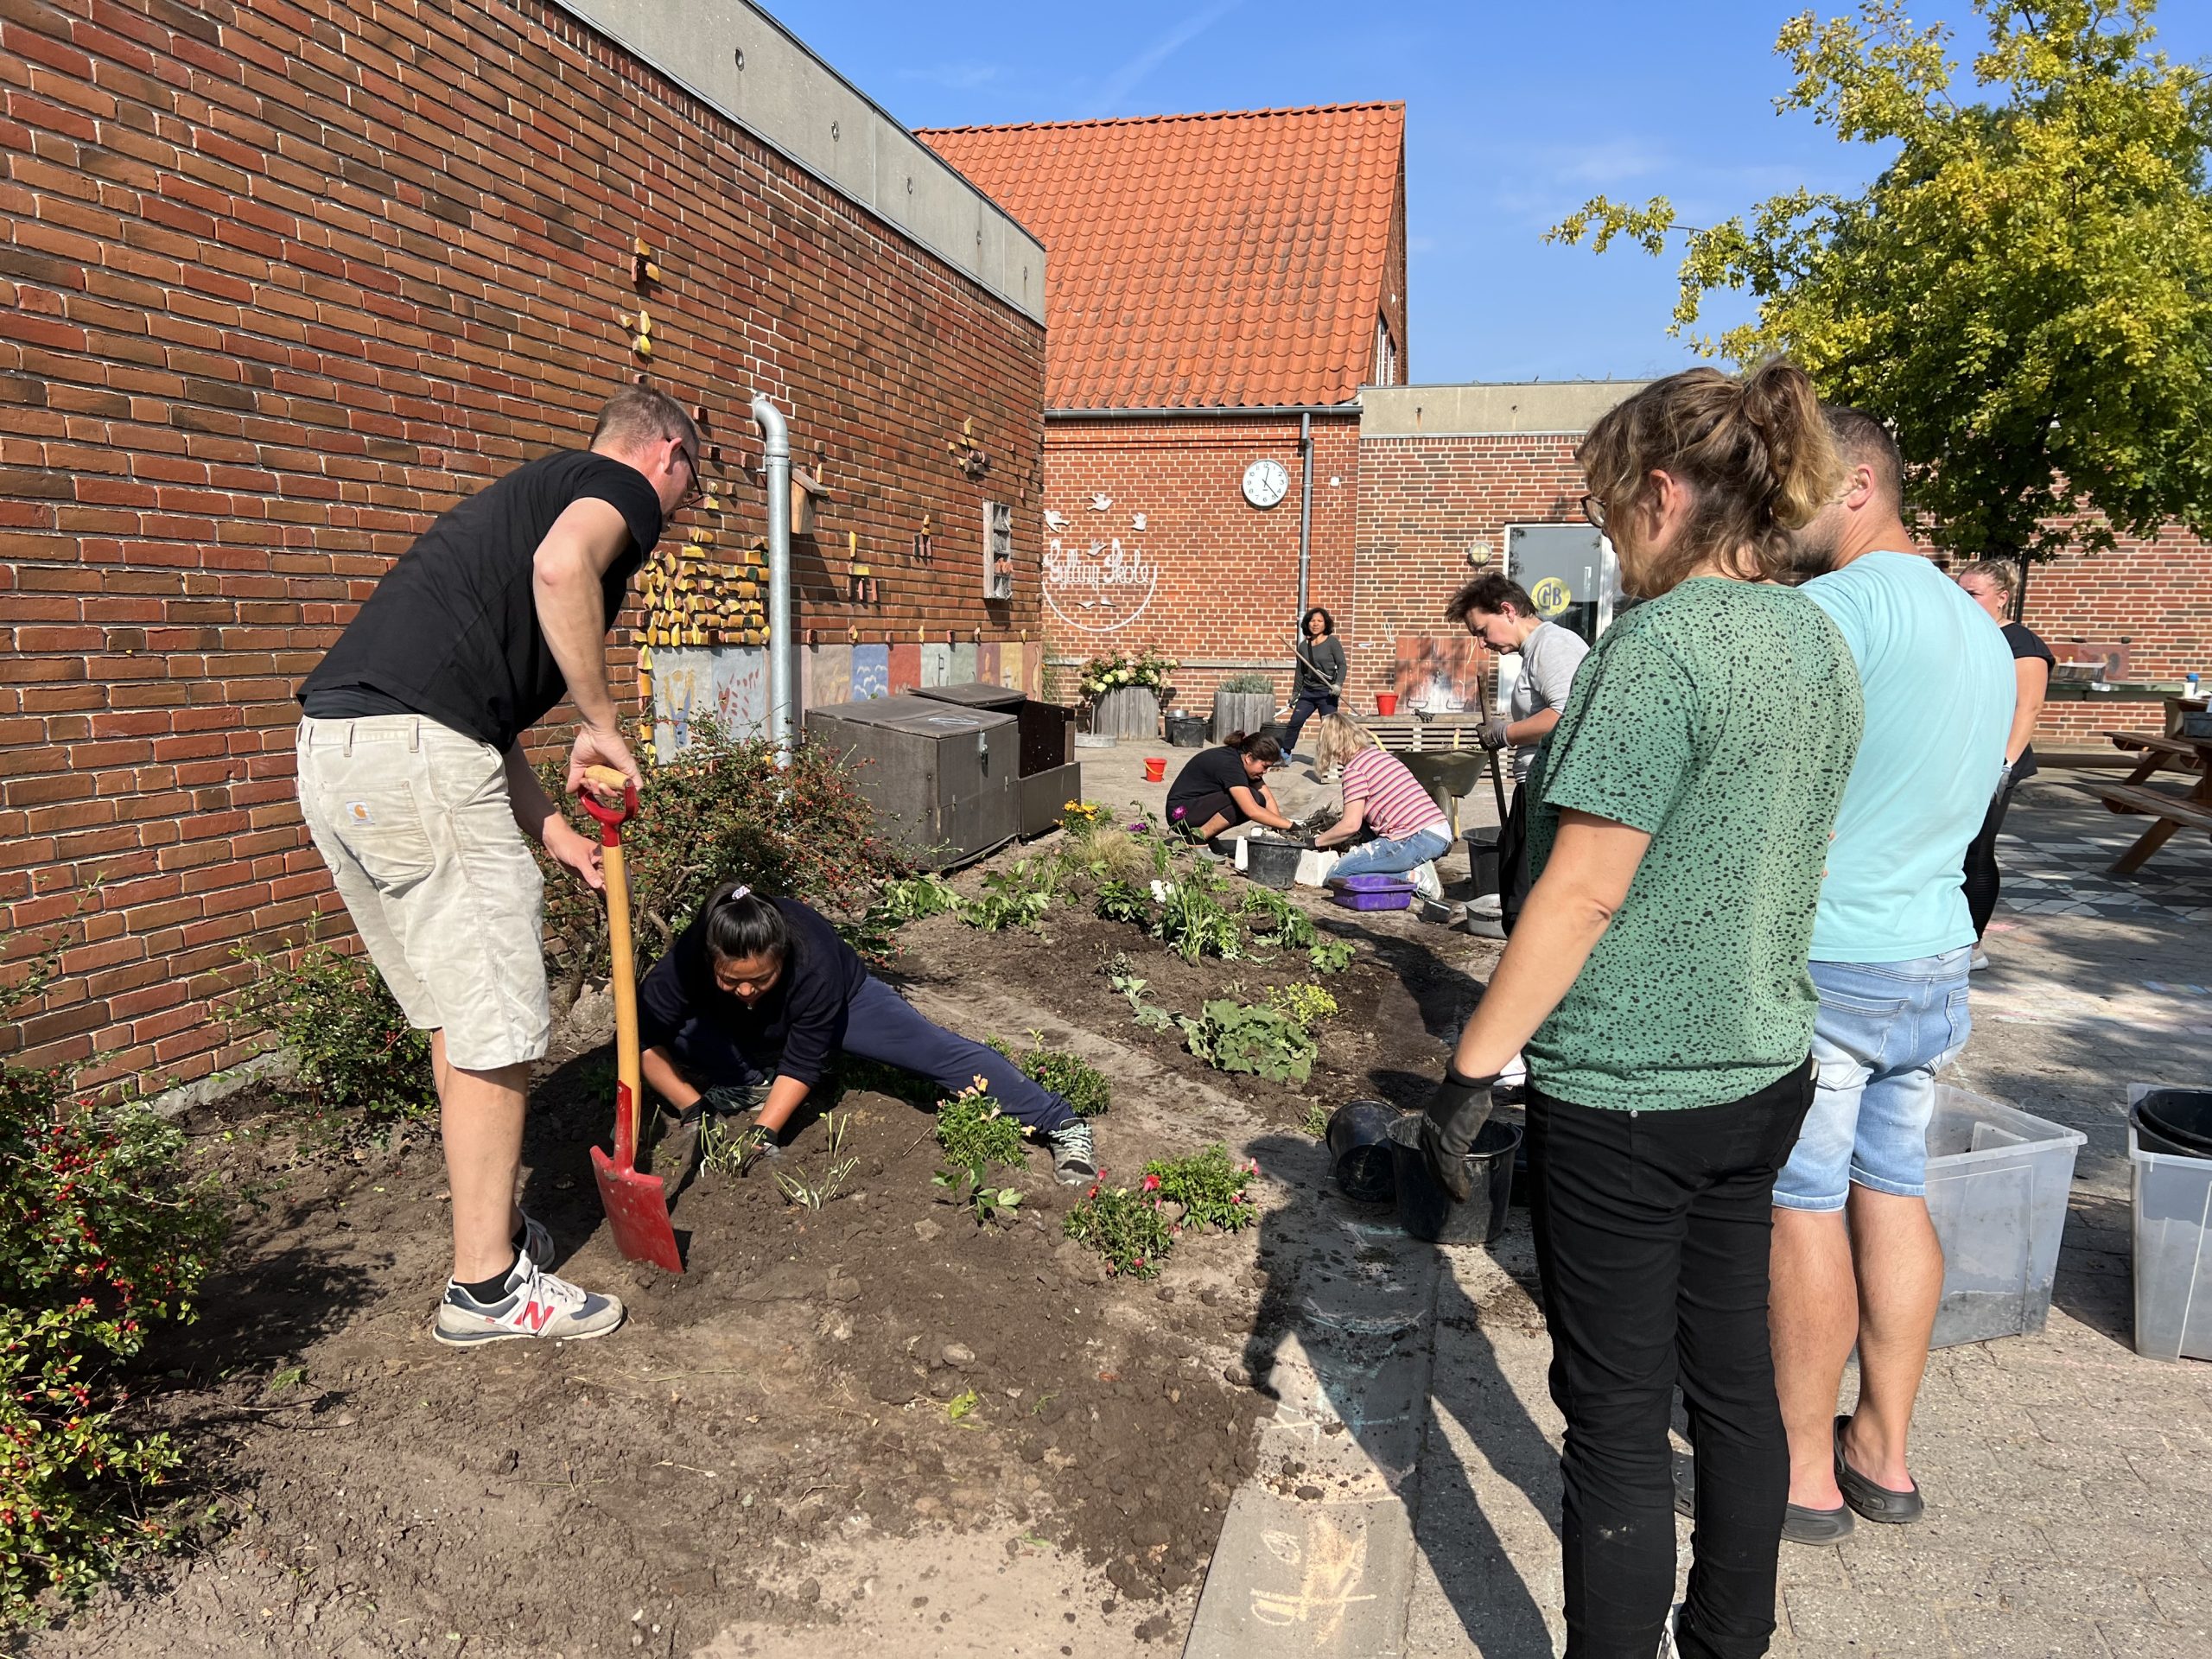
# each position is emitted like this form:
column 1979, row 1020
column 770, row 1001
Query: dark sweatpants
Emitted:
column 882, row 1025
column 1652, row 1233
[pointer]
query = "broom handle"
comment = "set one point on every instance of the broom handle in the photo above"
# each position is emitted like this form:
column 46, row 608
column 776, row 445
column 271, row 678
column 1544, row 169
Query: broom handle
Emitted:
column 604, row 781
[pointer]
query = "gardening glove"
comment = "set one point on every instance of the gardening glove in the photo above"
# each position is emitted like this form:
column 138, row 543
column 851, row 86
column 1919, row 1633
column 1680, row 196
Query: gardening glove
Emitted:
column 1492, row 733
column 755, row 1146
column 733, row 1099
column 1453, row 1117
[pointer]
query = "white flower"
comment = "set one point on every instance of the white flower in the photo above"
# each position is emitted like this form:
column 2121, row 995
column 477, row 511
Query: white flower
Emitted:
column 1160, row 890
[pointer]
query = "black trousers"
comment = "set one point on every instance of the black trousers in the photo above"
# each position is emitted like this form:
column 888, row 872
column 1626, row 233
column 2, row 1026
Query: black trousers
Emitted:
column 1981, row 873
column 1309, row 703
column 1652, row 1232
column 1513, row 883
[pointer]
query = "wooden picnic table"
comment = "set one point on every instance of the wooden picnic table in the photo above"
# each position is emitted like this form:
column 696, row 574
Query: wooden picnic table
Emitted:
column 2167, row 810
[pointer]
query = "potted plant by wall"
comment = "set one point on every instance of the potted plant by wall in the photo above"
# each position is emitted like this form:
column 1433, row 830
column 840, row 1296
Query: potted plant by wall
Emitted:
column 1124, row 693
column 1243, row 702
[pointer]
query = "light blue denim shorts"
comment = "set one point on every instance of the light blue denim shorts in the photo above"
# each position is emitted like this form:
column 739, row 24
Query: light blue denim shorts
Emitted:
column 1885, row 1029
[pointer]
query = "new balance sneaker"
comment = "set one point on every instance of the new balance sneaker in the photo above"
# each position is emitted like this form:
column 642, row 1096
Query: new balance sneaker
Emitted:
column 1075, row 1154
column 536, row 1304
column 1426, row 882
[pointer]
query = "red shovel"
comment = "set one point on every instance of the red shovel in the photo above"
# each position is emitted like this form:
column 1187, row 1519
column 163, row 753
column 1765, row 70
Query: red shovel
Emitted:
column 636, row 1204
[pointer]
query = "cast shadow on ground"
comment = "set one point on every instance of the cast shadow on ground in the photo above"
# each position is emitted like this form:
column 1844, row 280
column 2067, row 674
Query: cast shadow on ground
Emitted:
column 1445, row 995
column 1329, row 1266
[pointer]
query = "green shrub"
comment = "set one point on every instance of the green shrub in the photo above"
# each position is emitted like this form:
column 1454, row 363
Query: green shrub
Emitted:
column 1249, row 681
column 1209, row 1184
column 103, row 1233
column 1124, row 1227
column 722, row 810
column 355, row 1054
column 977, row 1135
column 1123, row 901
column 1331, row 955
column 1193, row 922
column 1260, row 1042
column 909, row 899
column 1315, row 1123
column 1082, row 1084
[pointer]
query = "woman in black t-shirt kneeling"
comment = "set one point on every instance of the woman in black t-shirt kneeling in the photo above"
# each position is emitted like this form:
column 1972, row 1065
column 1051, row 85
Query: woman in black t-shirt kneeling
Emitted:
column 1222, row 788
column 761, row 994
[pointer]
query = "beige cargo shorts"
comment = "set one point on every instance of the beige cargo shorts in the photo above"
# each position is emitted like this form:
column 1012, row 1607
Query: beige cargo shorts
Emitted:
column 414, row 821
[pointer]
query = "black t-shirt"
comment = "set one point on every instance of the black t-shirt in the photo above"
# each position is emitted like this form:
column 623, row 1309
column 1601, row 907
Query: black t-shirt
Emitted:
column 1210, row 772
column 451, row 631
column 796, row 1030
column 2024, row 642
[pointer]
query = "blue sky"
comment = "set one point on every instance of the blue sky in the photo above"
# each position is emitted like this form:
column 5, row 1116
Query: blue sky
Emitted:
column 1516, row 114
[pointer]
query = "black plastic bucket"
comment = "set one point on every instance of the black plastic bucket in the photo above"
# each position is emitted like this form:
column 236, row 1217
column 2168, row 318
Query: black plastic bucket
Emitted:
column 2183, row 1117
column 1360, row 1154
column 1272, row 863
column 1482, row 860
column 1426, row 1211
column 1187, row 731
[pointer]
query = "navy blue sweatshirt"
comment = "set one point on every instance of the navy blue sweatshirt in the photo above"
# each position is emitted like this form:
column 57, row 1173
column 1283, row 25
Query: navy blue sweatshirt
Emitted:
column 796, row 1031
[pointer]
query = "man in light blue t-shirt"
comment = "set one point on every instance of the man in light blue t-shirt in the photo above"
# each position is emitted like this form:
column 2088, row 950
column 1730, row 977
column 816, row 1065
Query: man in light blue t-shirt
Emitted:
column 1891, row 946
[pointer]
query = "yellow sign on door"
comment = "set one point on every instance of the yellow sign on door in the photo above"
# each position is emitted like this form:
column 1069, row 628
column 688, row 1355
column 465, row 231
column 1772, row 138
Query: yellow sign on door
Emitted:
column 1552, row 597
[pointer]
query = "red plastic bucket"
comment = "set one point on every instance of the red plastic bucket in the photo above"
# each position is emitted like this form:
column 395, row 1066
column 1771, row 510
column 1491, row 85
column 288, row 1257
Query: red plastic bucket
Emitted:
column 1155, row 770
column 1386, row 702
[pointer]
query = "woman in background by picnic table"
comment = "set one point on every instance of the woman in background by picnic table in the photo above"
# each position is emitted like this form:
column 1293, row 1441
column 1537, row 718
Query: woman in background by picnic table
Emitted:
column 1383, row 801
column 1991, row 584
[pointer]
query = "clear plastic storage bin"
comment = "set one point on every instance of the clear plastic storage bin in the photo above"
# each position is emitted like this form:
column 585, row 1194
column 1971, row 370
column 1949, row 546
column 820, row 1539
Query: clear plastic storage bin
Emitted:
column 2173, row 1246
column 1997, row 1186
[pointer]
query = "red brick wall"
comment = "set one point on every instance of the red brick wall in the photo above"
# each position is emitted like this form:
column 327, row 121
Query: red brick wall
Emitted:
column 279, row 283
column 1226, row 588
column 1424, row 501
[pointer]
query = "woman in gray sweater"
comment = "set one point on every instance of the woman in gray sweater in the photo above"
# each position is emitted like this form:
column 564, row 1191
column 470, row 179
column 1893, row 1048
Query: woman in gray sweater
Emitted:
column 1320, row 673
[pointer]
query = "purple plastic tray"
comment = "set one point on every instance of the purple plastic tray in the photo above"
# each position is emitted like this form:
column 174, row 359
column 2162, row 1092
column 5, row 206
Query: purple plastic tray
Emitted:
column 1398, row 898
column 1384, row 883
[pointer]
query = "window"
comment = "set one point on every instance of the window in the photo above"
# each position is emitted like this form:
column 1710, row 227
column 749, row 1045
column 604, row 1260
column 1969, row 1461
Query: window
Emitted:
column 1386, row 354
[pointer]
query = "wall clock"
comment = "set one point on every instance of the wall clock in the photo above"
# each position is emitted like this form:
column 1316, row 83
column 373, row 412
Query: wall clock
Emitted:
column 1265, row 482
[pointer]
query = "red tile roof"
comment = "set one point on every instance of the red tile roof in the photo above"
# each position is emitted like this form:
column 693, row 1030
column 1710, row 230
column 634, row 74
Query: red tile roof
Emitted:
column 1217, row 260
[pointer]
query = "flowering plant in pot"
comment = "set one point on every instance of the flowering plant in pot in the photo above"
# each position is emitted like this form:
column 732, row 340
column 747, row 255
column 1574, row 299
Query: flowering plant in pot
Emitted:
column 1118, row 670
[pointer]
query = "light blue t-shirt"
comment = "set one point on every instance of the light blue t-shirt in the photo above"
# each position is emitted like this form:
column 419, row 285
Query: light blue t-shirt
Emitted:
column 1937, row 678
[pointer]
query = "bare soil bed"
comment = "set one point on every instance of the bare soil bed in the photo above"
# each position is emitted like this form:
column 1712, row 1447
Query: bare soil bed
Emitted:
column 866, row 1424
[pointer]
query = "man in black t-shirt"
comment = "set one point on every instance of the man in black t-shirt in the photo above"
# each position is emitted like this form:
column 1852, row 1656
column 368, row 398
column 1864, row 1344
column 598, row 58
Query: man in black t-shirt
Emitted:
column 414, row 786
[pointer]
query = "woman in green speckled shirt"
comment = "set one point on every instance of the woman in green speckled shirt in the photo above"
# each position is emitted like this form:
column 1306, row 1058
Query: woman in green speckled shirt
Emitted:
column 1658, row 983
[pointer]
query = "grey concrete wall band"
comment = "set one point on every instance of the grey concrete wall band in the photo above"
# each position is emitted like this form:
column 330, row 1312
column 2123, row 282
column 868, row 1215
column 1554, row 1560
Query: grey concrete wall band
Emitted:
column 1527, row 407
column 734, row 57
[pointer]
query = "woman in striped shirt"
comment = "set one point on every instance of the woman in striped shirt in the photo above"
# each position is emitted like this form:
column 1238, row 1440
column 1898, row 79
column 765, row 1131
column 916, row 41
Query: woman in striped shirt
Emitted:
column 1385, row 801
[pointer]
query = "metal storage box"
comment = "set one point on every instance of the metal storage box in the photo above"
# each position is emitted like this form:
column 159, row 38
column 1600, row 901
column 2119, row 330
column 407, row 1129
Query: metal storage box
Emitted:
column 1047, row 728
column 945, row 781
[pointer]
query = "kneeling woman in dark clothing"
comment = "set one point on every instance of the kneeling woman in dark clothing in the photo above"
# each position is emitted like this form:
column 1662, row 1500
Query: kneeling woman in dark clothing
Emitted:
column 1222, row 788
column 762, row 991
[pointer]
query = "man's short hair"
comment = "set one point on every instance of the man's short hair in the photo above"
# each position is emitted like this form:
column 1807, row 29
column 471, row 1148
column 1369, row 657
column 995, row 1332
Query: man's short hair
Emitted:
column 640, row 415
column 1864, row 441
column 1490, row 593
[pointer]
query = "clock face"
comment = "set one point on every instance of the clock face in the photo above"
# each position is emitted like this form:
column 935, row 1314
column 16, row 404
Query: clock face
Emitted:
column 1265, row 482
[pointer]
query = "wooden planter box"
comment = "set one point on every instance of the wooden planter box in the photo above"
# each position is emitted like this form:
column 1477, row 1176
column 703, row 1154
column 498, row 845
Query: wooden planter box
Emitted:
column 1242, row 711
column 1131, row 712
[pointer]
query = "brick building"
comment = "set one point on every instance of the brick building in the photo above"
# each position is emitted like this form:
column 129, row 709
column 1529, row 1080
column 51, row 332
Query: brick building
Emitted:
column 282, row 280
column 1223, row 286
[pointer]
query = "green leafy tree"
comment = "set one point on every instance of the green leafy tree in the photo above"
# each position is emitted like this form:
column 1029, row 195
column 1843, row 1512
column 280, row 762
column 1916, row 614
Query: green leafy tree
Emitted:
column 2024, row 292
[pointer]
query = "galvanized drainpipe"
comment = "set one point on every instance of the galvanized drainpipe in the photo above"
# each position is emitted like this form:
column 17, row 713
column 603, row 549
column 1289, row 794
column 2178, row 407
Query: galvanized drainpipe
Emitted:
column 776, row 452
column 1305, row 515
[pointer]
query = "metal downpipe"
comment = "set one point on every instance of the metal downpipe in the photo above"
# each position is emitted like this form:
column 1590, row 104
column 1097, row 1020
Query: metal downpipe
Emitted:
column 1304, row 518
column 776, row 454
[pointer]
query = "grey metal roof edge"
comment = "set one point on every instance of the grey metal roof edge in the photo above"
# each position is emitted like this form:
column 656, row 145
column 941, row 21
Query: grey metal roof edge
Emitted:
column 601, row 16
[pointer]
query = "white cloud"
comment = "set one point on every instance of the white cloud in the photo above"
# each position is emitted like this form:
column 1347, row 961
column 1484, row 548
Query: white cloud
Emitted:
column 1119, row 85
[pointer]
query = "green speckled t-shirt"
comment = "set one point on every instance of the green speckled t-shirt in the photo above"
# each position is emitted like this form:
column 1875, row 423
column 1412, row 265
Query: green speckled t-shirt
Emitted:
column 1721, row 719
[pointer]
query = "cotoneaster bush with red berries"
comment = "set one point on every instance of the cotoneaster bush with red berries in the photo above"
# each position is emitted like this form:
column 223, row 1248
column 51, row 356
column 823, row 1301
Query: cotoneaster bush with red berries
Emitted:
column 104, row 1234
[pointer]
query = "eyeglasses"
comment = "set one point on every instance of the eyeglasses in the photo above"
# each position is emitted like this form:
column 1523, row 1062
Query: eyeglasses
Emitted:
column 693, row 492
column 1593, row 509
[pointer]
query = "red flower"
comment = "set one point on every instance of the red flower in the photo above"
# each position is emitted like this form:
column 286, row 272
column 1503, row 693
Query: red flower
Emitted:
column 1152, row 1182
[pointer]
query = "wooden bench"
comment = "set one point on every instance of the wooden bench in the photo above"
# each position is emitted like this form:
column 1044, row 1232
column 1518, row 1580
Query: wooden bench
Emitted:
column 2169, row 812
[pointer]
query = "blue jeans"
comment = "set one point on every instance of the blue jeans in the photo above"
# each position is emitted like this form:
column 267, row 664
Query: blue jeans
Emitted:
column 1383, row 856
column 1884, row 1031
column 1309, row 704
column 882, row 1025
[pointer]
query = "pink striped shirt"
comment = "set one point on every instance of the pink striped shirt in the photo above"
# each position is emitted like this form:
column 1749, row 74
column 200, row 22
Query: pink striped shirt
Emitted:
column 1397, row 804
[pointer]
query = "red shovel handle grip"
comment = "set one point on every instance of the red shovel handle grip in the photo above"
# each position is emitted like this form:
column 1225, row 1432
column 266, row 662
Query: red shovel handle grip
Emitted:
column 611, row 818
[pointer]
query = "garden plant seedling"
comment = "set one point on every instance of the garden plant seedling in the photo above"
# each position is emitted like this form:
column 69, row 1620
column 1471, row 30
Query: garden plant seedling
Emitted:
column 911, row 898
column 1124, row 901
column 1124, row 1227
column 812, row 1195
column 1193, row 922
column 1209, row 1184
column 1307, row 1004
column 1331, row 955
column 1082, row 1084
column 978, row 1136
column 1281, row 923
column 1012, row 898
column 1237, row 1036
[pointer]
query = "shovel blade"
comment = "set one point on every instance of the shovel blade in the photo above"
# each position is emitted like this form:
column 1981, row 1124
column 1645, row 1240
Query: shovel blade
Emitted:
column 637, row 1210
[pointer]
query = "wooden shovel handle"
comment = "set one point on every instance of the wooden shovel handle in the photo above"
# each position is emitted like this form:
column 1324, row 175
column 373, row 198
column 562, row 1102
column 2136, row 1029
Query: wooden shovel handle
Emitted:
column 602, row 782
